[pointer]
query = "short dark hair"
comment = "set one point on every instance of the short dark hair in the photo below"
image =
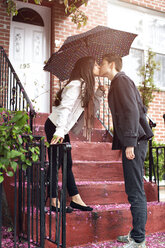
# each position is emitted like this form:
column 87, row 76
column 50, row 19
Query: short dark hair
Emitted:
column 114, row 58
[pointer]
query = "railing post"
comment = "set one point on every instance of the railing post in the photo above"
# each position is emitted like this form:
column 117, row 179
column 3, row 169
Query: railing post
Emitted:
column 150, row 160
column 0, row 214
column 64, row 178
column 157, row 172
column 32, row 114
column 151, row 124
column 20, row 200
column 66, row 148
column 42, row 192
column 15, row 208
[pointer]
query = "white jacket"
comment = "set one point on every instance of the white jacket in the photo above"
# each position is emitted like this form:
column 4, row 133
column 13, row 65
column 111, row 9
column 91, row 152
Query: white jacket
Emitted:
column 68, row 112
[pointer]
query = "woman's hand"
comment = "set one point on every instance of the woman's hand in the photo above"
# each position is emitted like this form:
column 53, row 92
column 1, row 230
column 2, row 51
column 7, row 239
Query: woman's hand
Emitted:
column 56, row 139
column 130, row 153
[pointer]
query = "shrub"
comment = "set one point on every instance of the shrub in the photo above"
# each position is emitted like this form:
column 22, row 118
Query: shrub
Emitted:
column 15, row 133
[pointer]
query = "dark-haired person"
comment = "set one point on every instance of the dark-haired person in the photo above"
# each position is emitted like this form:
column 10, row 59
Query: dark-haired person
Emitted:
column 74, row 109
column 131, row 132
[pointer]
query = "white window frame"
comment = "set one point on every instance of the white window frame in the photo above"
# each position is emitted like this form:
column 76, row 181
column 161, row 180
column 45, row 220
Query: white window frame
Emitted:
column 126, row 24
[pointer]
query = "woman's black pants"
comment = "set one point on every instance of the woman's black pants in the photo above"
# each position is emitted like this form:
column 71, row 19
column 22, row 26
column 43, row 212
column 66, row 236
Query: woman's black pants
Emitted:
column 50, row 129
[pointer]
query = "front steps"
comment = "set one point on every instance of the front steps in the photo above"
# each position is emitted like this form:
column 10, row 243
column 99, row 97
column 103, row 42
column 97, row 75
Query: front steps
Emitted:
column 99, row 177
column 106, row 222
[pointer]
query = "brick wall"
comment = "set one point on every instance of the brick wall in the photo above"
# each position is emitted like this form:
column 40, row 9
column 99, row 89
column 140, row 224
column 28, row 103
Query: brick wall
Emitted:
column 156, row 112
column 158, row 5
column 62, row 27
column 4, row 27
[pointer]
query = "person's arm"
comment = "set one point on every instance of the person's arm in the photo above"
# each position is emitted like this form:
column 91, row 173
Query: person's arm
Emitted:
column 128, row 113
column 69, row 97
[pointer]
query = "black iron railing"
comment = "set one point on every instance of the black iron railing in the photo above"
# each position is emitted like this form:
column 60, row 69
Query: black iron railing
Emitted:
column 57, row 223
column 157, row 152
column 31, row 198
column 104, row 114
column 12, row 94
column 154, row 160
column 30, row 212
column 152, row 124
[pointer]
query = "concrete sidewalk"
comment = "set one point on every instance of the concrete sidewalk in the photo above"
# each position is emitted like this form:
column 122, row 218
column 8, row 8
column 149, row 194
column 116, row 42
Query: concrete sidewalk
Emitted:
column 155, row 240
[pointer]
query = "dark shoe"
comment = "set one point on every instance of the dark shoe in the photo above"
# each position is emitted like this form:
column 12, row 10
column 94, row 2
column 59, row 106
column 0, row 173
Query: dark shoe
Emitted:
column 68, row 209
column 80, row 207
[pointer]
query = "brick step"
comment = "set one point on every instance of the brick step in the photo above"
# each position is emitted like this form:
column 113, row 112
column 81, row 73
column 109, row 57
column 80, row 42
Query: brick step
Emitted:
column 105, row 223
column 98, row 135
column 97, row 170
column 100, row 192
column 109, row 192
column 94, row 151
column 40, row 119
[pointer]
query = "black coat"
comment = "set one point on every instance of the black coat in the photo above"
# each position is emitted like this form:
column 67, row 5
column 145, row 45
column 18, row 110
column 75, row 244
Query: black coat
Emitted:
column 128, row 113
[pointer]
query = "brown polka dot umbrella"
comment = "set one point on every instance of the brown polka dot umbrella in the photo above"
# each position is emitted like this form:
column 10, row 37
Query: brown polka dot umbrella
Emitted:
column 95, row 42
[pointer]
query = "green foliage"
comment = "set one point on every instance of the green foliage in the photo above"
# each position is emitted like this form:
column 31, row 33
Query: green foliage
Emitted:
column 77, row 16
column 11, row 8
column 161, row 160
column 147, row 86
column 15, row 133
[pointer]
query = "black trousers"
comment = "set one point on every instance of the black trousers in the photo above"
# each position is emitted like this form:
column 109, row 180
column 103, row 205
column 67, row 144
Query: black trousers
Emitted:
column 134, row 187
column 71, row 185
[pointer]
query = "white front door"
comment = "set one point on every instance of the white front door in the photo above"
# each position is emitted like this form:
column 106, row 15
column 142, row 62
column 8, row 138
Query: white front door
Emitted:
column 29, row 48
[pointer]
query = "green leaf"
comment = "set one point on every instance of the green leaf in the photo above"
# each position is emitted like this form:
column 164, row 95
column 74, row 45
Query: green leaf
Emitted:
column 66, row 2
column 1, row 179
column 4, row 161
column 47, row 144
column 24, row 167
column 35, row 157
column 79, row 25
column 23, row 158
column 66, row 10
column 37, row 150
column 10, row 173
column 23, row 150
column 13, row 154
column 28, row 162
column 20, row 139
column 31, row 149
column 7, row 148
column 14, row 165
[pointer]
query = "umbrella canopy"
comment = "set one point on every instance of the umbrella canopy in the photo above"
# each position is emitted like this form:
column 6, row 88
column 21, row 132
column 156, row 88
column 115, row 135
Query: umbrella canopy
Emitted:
column 96, row 42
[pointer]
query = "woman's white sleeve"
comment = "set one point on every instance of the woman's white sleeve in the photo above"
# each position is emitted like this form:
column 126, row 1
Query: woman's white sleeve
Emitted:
column 69, row 96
